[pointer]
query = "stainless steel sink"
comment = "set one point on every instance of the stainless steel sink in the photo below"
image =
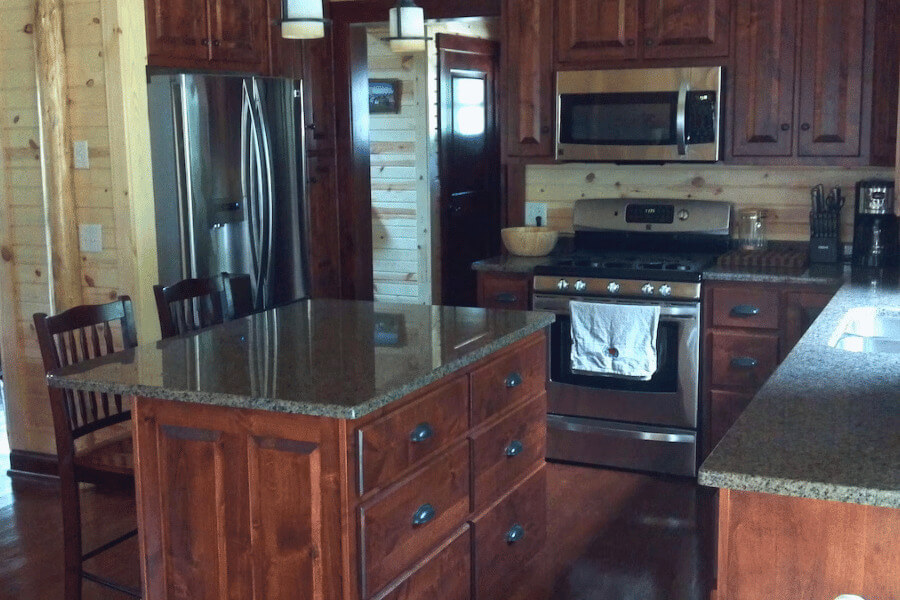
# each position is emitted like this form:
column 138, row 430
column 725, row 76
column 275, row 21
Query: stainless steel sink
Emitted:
column 868, row 329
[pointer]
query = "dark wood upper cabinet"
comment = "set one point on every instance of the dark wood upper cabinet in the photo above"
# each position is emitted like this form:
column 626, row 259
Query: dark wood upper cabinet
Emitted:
column 686, row 28
column 176, row 30
column 597, row 30
column 765, row 40
column 237, row 31
column 528, row 70
column 211, row 34
column 831, row 77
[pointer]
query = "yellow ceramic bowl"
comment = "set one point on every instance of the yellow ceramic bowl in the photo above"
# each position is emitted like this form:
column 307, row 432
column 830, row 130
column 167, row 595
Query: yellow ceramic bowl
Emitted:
column 529, row 241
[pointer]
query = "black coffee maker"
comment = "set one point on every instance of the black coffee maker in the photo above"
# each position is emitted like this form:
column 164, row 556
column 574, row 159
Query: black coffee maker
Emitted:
column 875, row 231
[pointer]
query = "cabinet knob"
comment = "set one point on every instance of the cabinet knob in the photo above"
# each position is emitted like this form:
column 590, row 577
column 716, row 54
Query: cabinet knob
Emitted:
column 515, row 447
column 804, row 127
column 204, row 42
column 423, row 514
column 785, row 127
column 629, row 42
column 513, row 380
column 649, row 42
column 217, row 43
column 744, row 362
column 422, row 433
column 515, row 533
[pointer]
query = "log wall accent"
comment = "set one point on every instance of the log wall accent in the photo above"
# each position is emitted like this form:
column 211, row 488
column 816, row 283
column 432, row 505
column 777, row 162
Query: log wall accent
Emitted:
column 784, row 191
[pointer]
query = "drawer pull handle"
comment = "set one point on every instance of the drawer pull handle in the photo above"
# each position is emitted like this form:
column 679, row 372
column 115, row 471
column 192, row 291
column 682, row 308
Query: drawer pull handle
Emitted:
column 744, row 362
column 422, row 433
column 513, row 380
column 744, row 311
column 515, row 534
column 515, row 447
column 423, row 514
column 506, row 298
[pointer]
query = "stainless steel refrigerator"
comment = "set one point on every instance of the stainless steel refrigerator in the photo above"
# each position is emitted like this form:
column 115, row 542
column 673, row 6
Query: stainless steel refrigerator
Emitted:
column 228, row 181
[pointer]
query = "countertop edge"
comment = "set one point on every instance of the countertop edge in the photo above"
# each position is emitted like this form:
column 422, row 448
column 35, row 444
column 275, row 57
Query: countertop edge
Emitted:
column 309, row 409
column 794, row 488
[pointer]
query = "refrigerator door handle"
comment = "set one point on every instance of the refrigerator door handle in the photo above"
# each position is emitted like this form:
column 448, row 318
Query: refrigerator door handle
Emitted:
column 245, row 172
column 268, row 223
column 255, row 203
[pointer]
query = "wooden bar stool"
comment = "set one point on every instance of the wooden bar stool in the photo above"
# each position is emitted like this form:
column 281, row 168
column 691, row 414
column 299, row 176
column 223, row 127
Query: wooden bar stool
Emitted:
column 193, row 304
column 70, row 337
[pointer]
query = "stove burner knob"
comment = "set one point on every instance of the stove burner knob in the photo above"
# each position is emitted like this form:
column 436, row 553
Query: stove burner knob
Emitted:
column 665, row 290
column 562, row 285
column 613, row 287
column 647, row 289
column 683, row 214
column 580, row 286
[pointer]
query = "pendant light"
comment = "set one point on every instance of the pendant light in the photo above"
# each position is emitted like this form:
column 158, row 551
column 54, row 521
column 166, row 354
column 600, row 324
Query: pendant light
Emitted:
column 302, row 19
column 407, row 27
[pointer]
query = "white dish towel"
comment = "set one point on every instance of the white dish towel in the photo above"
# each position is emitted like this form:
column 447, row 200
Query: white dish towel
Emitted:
column 614, row 339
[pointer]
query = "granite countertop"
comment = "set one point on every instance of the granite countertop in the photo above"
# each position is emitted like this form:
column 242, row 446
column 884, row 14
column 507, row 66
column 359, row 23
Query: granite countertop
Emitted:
column 824, row 274
column 827, row 423
column 330, row 358
column 507, row 263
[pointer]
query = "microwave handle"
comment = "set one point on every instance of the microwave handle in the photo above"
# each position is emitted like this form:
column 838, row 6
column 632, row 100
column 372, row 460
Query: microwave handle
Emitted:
column 681, row 118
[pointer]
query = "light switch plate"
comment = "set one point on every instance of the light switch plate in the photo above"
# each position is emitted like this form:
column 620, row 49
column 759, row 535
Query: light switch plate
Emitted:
column 533, row 210
column 82, row 160
column 90, row 237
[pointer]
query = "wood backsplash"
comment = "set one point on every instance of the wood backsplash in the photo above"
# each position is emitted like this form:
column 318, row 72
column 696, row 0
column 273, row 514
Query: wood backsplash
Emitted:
column 783, row 191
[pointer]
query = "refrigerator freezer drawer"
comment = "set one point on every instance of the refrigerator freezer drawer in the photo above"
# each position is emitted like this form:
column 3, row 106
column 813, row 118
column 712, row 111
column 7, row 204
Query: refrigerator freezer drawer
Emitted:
column 613, row 444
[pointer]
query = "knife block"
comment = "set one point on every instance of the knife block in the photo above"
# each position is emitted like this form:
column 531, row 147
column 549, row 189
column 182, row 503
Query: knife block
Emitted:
column 824, row 237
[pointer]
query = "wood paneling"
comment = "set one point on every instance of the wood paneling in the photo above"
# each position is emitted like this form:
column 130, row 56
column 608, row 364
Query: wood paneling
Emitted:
column 831, row 78
column 805, row 548
column 763, row 114
column 686, row 28
column 527, row 48
column 597, row 31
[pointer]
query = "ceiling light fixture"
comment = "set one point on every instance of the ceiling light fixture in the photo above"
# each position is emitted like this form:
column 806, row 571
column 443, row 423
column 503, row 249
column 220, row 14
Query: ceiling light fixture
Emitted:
column 407, row 27
column 302, row 19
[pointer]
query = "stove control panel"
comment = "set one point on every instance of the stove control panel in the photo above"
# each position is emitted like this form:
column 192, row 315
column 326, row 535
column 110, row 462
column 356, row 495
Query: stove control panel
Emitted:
column 598, row 287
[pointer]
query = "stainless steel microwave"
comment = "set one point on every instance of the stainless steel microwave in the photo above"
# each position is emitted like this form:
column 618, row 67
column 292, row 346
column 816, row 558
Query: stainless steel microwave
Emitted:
column 652, row 115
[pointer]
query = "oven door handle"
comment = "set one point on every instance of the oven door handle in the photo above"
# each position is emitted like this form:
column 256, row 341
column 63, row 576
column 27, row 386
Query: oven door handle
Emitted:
column 570, row 424
column 561, row 307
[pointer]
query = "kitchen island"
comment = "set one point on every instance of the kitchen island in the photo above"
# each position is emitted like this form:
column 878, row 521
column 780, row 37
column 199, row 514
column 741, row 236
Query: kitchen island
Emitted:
column 809, row 475
column 336, row 449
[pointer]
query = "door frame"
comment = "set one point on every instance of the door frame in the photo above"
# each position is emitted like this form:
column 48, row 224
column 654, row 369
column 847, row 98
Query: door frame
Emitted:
column 354, row 189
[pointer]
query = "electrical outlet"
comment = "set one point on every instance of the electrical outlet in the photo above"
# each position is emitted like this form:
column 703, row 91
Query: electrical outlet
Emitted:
column 533, row 210
column 90, row 237
column 81, row 158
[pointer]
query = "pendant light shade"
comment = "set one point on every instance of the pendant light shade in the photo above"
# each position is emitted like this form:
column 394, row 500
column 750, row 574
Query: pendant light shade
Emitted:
column 302, row 19
column 407, row 27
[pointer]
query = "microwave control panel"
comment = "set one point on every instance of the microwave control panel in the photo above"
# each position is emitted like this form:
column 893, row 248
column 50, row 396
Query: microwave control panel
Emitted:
column 700, row 117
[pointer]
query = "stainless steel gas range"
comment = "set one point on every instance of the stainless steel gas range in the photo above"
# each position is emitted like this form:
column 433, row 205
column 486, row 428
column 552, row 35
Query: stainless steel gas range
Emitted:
column 640, row 252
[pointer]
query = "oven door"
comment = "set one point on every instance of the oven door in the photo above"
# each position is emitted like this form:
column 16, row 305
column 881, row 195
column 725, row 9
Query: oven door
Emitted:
column 669, row 398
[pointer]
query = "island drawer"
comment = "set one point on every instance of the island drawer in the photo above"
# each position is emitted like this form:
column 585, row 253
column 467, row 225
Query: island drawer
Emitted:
column 511, row 377
column 399, row 440
column 399, row 526
column 446, row 573
column 506, row 451
column 508, row 535
column 743, row 360
column 504, row 290
column 745, row 306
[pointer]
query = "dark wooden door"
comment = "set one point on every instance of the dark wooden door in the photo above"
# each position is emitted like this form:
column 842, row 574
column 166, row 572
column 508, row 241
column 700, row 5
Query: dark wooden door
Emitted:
column 528, row 51
column 177, row 31
column 686, row 28
column 765, row 44
column 469, row 160
column 237, row 30
column 831, row 77
column 597, row 30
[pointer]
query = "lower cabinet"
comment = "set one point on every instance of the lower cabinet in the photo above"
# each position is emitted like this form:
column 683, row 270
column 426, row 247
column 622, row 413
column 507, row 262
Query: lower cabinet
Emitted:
column 749, row 329
column 446, row 573
column 510, row 291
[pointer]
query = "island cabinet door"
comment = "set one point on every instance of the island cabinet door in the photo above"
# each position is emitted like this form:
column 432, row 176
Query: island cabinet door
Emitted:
column 510, row 378
column 236, row 504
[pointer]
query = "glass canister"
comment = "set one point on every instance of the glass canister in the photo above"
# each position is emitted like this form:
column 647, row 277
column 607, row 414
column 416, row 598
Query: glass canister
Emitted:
column 752, row 229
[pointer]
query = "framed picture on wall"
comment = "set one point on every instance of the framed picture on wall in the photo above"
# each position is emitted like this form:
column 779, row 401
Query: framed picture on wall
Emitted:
column 384, row 96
